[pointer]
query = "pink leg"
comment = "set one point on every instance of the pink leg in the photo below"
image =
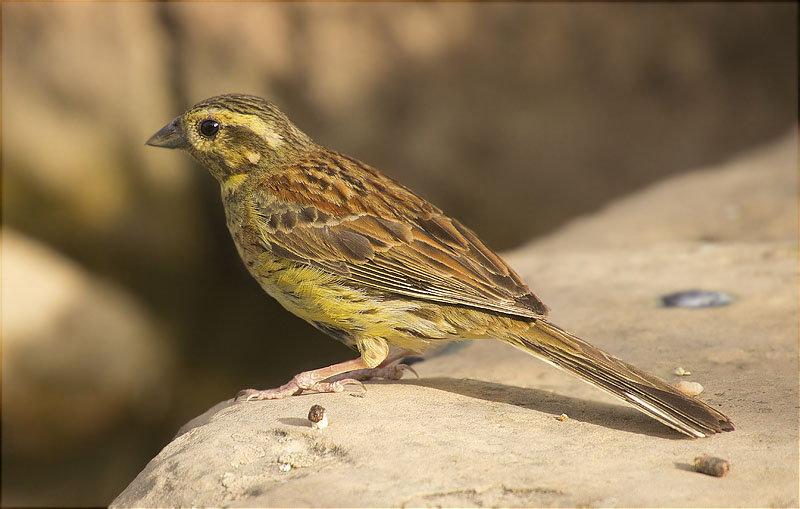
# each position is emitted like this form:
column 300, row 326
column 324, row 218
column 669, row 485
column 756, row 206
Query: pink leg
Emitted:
column 383, row 370
column 308, row 381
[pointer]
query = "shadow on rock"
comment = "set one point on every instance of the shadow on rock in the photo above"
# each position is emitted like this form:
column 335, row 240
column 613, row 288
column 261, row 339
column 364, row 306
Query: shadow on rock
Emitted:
column 594, row 412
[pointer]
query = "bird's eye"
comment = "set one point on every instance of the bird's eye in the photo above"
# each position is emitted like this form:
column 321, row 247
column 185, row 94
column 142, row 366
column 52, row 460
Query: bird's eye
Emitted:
column 209, row 128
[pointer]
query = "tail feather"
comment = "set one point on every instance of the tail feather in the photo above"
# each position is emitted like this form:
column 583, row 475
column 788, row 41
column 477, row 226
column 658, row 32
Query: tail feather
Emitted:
column 647, row 393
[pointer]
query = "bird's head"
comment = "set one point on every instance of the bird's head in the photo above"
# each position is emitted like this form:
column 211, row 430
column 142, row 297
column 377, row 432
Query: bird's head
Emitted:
column 233, row 134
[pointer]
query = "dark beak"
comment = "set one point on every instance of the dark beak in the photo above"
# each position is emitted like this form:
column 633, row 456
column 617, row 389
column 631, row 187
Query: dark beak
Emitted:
column 170, row 136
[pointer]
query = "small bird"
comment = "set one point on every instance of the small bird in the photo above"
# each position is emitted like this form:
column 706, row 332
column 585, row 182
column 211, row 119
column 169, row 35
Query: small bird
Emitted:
column 367, row 261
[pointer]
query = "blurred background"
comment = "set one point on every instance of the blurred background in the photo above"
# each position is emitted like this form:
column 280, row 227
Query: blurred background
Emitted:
column 125, row 308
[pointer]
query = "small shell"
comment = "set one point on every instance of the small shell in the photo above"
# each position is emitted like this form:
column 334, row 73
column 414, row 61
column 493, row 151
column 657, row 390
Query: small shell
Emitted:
column 562, row 417
column 689, row 388
column 710, row 465
column 318, row 417
column 681, row 372
column 322, row 424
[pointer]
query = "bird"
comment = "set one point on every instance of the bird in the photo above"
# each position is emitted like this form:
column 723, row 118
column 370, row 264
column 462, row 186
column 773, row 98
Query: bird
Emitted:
column 369, row 262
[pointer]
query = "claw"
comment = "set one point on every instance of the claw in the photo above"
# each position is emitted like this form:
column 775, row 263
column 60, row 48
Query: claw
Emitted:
column 336, row 386
column 404, row 367
column 290, row 389
column 245, row 395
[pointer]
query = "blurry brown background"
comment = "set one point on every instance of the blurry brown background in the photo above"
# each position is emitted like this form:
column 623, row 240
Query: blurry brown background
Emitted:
column 125, row 308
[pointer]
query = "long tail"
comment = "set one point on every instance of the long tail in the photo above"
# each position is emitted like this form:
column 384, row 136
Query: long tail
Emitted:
column 646, row 392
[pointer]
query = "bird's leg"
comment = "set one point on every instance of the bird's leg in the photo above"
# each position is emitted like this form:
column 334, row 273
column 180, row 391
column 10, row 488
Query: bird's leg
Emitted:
column 309, row 381
column 384, row 370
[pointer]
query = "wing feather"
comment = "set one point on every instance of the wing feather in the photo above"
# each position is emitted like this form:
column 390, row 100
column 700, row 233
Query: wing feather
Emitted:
column 376, row 233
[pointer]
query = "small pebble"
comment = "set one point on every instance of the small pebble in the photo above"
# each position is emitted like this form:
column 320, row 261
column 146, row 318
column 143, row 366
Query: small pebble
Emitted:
column 563, row 417
column 710, row 465
column 696, row 299
column 689, row 388
column 681, row 372
column 318, row 417
column 284, row 467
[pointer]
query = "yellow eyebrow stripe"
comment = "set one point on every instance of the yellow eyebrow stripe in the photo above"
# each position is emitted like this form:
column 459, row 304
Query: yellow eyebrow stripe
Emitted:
column 252, row 122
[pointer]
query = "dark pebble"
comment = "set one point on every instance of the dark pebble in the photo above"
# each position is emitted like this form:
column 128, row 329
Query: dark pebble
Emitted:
column 696, row 299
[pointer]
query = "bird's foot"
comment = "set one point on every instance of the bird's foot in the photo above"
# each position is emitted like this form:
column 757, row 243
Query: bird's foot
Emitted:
column 394, row 372
column 331, row 379
column 297, row 385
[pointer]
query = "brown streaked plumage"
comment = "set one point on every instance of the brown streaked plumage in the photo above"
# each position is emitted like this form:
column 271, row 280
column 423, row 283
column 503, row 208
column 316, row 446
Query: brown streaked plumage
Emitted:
column 345, row 217
column 375, row 266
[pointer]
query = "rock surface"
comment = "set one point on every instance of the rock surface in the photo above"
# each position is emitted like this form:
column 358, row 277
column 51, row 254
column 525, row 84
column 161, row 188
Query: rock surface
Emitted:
column 480, row 427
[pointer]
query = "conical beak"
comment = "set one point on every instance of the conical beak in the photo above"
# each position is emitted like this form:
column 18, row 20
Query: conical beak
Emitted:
column 169, row 136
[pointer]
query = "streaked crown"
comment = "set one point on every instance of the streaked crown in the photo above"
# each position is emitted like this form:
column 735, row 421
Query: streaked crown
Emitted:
column 235, row 133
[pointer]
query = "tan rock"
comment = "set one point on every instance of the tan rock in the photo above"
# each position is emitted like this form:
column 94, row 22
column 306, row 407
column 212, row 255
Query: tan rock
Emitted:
column 479, row 427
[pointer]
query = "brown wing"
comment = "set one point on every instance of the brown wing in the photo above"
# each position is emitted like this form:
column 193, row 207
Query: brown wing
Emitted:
column 347, row 218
